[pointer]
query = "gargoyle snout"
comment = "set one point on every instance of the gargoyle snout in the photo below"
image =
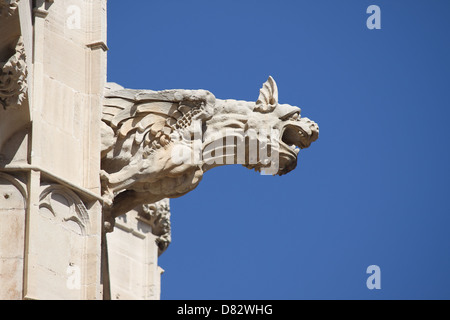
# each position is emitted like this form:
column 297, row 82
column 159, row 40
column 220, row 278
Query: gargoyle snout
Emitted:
column 309, row 130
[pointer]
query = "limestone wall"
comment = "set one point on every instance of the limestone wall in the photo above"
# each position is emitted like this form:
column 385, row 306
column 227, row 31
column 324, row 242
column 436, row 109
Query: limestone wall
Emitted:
column 133, row 255
column 50, row 202
column 52, row 241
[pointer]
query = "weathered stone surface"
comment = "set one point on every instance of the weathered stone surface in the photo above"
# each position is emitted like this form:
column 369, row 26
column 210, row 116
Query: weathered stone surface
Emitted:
column 12, row 233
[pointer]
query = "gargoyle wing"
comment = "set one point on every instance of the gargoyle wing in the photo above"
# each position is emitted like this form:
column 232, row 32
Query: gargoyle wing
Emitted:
column 149, row 117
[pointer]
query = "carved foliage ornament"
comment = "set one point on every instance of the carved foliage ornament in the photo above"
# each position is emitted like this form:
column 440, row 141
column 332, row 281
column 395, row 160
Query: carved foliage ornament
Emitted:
column 8, row 7
column 13, row 75
column 157, row 215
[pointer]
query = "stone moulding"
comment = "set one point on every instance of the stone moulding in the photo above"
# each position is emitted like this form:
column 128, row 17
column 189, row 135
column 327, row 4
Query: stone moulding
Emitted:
column 98, row 45
column 13, row 78
column 85, row 193
column 41, row 8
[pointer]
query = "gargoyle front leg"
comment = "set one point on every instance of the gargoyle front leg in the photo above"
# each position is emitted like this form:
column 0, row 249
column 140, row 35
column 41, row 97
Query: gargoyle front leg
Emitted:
column 128, row 176
column 123, row 202
column 107, row 193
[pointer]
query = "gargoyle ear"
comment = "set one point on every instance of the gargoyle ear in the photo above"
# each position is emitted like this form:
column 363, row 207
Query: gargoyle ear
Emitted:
column 268, row 97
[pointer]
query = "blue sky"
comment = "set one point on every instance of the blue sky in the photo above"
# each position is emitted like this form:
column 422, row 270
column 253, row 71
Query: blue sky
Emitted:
column 373, row 190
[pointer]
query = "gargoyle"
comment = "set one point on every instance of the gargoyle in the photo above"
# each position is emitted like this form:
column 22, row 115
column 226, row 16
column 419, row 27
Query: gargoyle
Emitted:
column 158, row 144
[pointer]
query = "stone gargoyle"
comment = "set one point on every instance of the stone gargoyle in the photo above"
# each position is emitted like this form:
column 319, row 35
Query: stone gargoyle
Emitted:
column 158, row 144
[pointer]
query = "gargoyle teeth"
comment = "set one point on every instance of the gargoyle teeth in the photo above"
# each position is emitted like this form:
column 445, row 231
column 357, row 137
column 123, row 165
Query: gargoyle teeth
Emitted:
column 295, row 148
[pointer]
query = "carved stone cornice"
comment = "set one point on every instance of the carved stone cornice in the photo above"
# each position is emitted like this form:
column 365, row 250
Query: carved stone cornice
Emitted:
column 13, row 78
column 41, row 8
column 157, row 215
column 98, row 45
column 8, row 7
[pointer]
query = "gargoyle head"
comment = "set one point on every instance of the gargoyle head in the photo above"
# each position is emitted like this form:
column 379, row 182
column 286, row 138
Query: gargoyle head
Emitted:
column 262, row 135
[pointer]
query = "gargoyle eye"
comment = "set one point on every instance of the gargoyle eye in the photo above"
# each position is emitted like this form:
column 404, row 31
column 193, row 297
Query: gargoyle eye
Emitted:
column 295, row 116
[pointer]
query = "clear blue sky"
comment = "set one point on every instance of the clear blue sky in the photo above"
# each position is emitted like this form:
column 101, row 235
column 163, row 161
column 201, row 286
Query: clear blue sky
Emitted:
column 374, row 189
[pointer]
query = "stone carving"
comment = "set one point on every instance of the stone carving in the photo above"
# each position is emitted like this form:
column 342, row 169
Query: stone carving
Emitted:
column 268, row 97
column 158, row 144
column 8, row 7
column 157, row 215
column 13, row 78
column 60, row 203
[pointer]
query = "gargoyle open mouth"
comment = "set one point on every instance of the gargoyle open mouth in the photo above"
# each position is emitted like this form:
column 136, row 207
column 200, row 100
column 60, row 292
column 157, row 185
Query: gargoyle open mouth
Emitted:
column 298, row 133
